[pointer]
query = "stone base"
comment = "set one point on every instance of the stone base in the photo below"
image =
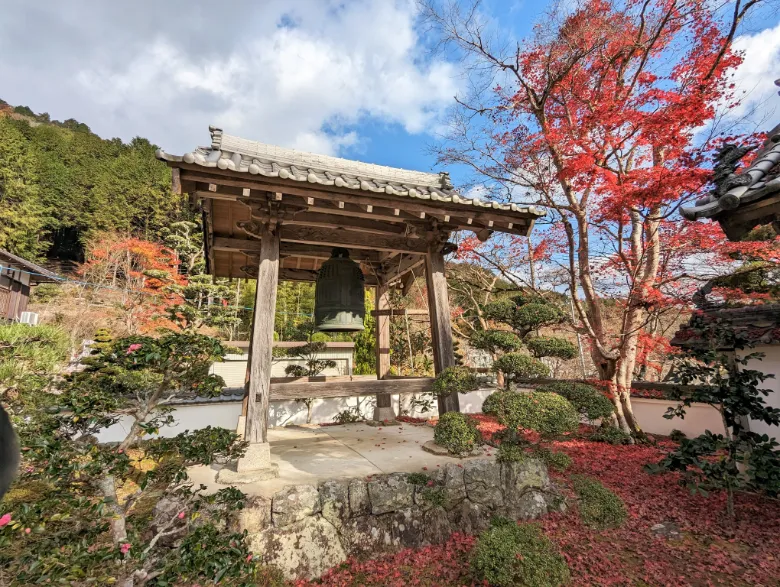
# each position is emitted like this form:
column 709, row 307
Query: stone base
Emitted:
column 381, row 423
column 440, row 451
column 229, row 476
column 384, row 414
column 254, row 466
column 258, row 456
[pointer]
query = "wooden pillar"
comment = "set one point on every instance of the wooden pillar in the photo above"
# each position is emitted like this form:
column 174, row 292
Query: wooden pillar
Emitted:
column 262, row 337
column 441, row 330
column 384, row 401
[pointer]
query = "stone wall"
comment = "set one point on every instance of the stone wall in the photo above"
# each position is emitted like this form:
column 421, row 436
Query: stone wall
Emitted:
column 304, row 530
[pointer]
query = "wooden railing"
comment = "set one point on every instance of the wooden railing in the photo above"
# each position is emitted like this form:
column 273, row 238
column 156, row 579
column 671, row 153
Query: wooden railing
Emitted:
column 286, row 388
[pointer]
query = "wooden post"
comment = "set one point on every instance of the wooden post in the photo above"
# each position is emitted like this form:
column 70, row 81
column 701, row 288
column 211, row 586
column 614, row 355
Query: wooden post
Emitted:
column 384, row 401
column 441, row 331
column 262, row 337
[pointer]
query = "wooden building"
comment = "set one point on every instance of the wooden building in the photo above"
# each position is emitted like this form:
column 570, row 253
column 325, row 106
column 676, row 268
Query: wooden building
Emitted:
column 17, row 276
column 273, row 214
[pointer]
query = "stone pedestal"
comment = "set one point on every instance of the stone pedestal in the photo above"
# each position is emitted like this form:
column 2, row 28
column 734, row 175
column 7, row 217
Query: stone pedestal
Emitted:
column 254, row 466
column 383, row 416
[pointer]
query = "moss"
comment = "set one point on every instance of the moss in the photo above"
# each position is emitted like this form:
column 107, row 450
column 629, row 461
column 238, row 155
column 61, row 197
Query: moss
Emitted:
column 599, row 507
column 518, row 555
column 417, row 478
column 27, row 492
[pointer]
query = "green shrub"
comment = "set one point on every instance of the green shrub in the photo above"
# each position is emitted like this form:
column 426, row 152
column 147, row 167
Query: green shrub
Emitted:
column 588, row 400
column 494, row 341
column 509, row 554
column 492, row 403
column 547, row 413
column 511, row 452
column 558, row 461
column 456, row 433
column 599, row 507
column 516, row 366
column 551, row 346
column 677, row 435
column 611, row 435
column 455, row 379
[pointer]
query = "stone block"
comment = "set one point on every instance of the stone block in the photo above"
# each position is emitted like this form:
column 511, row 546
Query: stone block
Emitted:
column 517, row 478
column 334, row 497
column 359, row 504
column 390, row 493
column 255, row 516
column 302, row 550
column 229, row 476
column 469, row 518
column 482, row 479
column 293, row 503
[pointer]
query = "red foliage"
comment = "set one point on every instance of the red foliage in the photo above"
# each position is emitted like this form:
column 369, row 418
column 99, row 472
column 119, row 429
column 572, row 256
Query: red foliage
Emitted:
column 144, row 274
column 710, row 552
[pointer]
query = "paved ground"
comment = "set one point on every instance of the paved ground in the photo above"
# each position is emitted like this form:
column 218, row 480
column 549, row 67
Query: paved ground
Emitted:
column 310, row 455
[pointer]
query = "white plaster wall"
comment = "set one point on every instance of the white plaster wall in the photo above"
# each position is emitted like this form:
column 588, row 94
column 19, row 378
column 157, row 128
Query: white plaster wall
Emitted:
column 650, row 413
column 769, row 365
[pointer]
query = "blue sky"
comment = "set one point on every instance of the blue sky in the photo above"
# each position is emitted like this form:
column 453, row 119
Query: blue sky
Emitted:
column 353, row 78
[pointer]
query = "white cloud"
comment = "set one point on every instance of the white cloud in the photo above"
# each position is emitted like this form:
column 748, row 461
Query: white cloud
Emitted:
column 302, row 85
column 755, row 77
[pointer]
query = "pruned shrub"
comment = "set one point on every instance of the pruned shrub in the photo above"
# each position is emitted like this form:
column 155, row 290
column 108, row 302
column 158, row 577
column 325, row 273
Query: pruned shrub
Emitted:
column 512, row 554
column 494, row 341
column 546, row 413
column 599, row 507
column 510, row 452
column 551, row 346
column 611, row 435
column 456, row 433
column 516, row 366
column 587, row 400
column 557, row 461
column 492, row 403
column 455, row 379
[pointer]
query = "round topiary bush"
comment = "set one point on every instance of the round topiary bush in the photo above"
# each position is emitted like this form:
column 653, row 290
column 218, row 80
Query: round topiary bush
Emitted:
column 551, row 346
column 547, row 413
column 599, row 507
column 588, row 400
column 517, row 366
column 456, row 433
column 512, row 554
column 455, row 379
column 493, row 402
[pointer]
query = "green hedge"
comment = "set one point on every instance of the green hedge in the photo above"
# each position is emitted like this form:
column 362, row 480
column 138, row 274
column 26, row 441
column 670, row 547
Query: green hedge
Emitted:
column 456, row 433
column 599, row 507
column 611, row 435
column 518, row 555
column 588, row 400
column 547, row 413
column 455, row 379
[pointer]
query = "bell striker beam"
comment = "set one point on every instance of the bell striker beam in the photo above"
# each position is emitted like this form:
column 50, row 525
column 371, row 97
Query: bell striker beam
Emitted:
column 441, row 331
column 384, row 401
column 263, row 335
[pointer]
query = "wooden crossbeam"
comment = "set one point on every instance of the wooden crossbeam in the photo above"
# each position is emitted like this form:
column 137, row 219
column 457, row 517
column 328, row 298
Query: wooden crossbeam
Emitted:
column 326, row 220
column 356, row 387
column 239, row 245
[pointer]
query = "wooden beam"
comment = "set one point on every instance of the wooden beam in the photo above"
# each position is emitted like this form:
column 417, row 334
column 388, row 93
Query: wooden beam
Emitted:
column 176, row 180
column 357, row 387
column 399, row 312
column 441, row 329
column 325, row 220
column 384, row 404
column 346, row 238
column 263, row 336
column 251, row 246
column 310, row 275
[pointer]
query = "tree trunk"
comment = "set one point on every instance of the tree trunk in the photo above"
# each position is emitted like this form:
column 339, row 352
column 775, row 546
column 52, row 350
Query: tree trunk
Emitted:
column 107, row 486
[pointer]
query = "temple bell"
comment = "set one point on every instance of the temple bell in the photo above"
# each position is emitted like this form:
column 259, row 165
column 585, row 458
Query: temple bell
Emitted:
column 339, row 300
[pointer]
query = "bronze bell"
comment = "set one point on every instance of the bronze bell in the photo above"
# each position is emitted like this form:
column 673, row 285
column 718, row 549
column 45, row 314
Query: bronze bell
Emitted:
column 339, row 301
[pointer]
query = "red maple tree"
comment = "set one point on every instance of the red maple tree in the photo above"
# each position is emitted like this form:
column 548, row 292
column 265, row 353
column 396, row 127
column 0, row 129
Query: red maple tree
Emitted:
column 143, row 274
column 598, row 118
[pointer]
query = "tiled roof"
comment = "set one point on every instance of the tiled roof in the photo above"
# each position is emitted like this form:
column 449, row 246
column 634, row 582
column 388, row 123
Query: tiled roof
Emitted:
column 244, row 156
column 38, row 274
column 760, row 180
column 754, row 325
